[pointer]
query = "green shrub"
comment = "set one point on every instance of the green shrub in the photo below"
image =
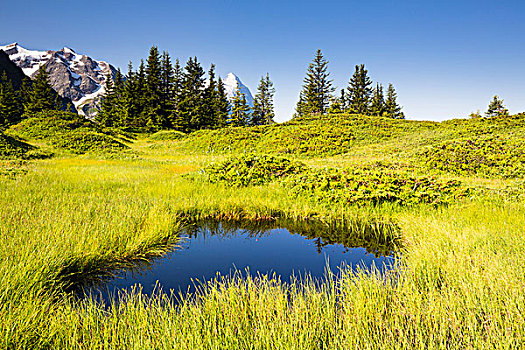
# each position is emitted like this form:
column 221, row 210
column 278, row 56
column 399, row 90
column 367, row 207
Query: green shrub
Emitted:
column 48, row 124
column 499, row 156
column 167, row 135
column 359, row 186
column 82, row 141
column 10, row 148
column 251, row 170
column 68, row 131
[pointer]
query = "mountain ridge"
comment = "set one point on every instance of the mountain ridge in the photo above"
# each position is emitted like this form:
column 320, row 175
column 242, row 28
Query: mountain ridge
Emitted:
column 72, row 75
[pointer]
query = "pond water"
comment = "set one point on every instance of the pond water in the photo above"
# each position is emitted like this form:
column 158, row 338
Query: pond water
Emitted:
column 210, row 248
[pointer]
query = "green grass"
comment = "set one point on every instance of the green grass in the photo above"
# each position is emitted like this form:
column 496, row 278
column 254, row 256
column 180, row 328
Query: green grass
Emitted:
column 458, row 285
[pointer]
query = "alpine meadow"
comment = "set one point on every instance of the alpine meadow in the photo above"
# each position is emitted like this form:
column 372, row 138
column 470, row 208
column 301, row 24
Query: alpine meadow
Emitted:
column 163, row 206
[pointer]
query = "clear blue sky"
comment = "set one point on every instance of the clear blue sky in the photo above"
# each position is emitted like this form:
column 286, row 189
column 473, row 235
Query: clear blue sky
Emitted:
column 445, row 58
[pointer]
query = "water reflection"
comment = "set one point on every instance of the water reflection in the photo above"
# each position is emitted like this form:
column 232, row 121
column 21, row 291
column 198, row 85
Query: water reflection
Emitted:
column 283, row 248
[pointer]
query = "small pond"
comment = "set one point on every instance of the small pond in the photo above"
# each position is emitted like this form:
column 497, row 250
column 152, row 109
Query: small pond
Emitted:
column 209, row 248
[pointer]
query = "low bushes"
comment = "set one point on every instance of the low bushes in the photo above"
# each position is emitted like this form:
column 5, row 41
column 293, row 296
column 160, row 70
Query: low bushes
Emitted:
column 167, row 135
column 82, row 141
column 360, row 186
column 251, row 170
column 48, row 124
column 11, row 148
column 368, row 184
column 498, row 156
column 68, row 131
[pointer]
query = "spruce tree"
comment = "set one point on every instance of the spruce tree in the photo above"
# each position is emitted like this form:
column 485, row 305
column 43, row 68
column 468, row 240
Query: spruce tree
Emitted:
column 240, row 114
column 335, row 106
column 42, row 97
column 118, row 112
column 300, row 107
column 153, row 101
column 496, row 108
column 167, row 90
column 223, row 104
column 140, row 90
column 177, row 121
column 10, row 107
column 128, row 99
column 106, row 116
column 359, row 91
column 317, row 89
column 210, row 107
column 378, row 105
column 263, row 111
column 392, row 108
column 343, row 100
column 190, row 104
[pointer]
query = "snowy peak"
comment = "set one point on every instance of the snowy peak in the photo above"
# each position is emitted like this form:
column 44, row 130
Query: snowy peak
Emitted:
column 28, row 60
column 78, row 77
column 231, row 83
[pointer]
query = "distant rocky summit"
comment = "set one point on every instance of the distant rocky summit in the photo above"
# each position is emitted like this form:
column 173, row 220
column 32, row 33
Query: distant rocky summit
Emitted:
column 72, row 75
column 231, row 83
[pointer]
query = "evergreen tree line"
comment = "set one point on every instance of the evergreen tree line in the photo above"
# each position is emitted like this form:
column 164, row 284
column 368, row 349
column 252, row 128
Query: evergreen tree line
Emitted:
column 316, row 96
column 33, row 97
column 162, row 95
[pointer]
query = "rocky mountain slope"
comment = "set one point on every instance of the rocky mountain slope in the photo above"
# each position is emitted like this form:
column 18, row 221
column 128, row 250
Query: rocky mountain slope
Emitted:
column 16, row 76
column 14, row 73
column 72, row 75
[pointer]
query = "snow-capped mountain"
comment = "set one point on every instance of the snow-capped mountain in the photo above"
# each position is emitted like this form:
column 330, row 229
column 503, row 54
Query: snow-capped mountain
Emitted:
column 72, row 75
column 231, row 82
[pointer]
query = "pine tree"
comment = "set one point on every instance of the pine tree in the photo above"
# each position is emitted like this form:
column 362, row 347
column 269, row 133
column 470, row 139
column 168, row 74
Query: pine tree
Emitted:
column 300, row 107
column 393, row 109
column 223, row 104
column 10, row 107
column 359, row 91
column 24, row 94
column 240, row 114
column 210, row 107
column 190, row 104
column 177, row 121
column 42, row 97
column 343, row 100
column 167, row 90
column 153, row 101
column 118, row 112
column 496, row 108
column 106, row 116
column 335, row 106
column 263, row 111
column 317, row 89
column 378, row 105
column 128, row 98
column 141, row 89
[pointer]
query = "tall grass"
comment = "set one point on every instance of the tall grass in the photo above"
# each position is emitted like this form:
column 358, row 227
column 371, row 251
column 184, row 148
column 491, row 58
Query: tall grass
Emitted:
column 458, row 287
